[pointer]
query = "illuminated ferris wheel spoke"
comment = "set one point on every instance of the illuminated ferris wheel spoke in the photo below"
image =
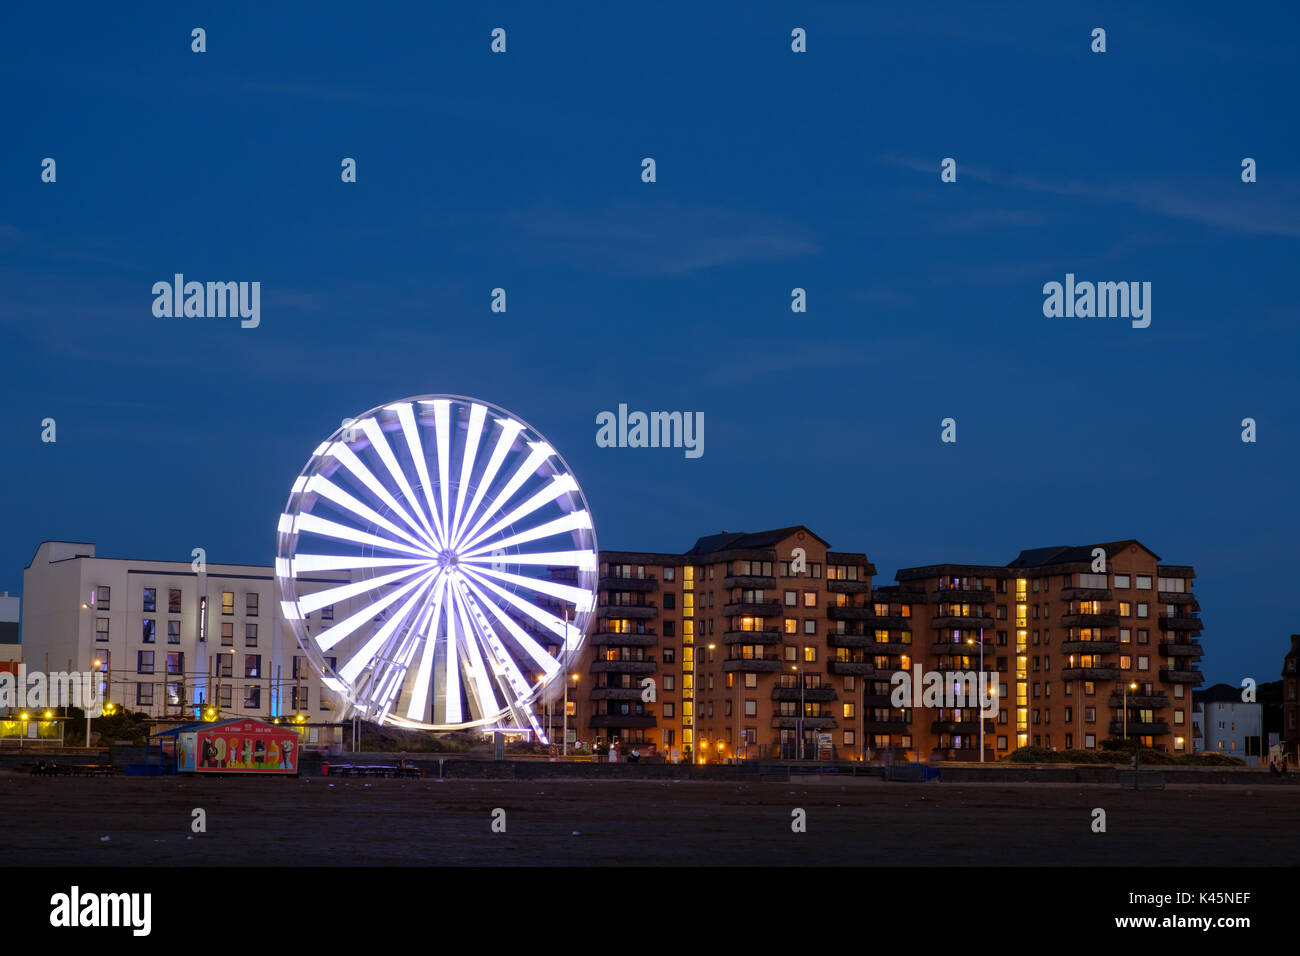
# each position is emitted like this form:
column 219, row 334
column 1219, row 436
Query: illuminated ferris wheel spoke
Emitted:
column 380, row 444
column 323, row 486
column 536, row 653
column 337, row 595
column 311, row 563
column 420, row 691
column 406, row 417
column 442, row 428
column 353, row 464
column 509, row 431
column 538, row 453
column 559, row 485
column 324, row 527
column 352, row 669
column 436, row 632
column 472, row 438
column 331, row 636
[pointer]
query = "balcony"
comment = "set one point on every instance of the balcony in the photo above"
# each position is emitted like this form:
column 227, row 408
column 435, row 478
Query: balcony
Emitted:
column 1183, row 623
column 613, row 583
column 963, row 727
column 1090, row 673
column 615, row 693
column 784, row 722
column 1136, row 729
column 751, row 637
column 1109, row 619
column 886, row 727
column 961, row 647
column 963, row 595
column 611, row 639
column 880, row 700
column 1181, row 649
column 1085, row 594
column 889, row 622
column 962, row 623
column 1179, row 597
column 753, row 665
column 626, row 721
column 627, row 611
column 1091, row 647
column 857, row 668
column 1181, row 677
column 749, row 582
column 646, row 665
column 810, row 695
column 837, row 613
column 1147, row 701
column 895, row 648
column 848, row 587
column 751, row 609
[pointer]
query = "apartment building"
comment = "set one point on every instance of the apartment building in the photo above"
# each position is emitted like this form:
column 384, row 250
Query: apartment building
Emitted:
column 1291, row 701
column 755, row 645
column 1225, row 724
column 172, row 638
column 1081, row 655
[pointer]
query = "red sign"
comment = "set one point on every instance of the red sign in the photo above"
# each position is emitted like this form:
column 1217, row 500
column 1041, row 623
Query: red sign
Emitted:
column 246, row 747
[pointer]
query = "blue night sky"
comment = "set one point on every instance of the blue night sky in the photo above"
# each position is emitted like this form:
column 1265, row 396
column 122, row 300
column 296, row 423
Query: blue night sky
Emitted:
column 775, row 170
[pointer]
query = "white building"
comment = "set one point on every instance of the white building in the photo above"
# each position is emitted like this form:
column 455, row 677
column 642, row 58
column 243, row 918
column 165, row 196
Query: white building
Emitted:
column 10, row 649
column 1227, row 725
column 171, row 639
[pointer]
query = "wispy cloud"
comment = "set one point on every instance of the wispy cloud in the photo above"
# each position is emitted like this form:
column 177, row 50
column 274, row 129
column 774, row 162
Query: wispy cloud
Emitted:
column 1224, row 202
column 663, row 239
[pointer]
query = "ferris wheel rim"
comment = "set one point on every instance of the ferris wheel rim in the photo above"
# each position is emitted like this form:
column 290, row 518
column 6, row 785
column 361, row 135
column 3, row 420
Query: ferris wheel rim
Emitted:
column 470, row 587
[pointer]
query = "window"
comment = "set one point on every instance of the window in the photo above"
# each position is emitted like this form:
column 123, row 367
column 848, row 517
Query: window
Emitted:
column 1092, row 580
column 144, row 695
column 101, row 629
column 670, row 681
column 144, row 662
column 175, row 691
column 226, row 665
column 1125, row 635
column 253, row 696
column 810, row 626
column 1089, row 741
column 1144, row 638
column 1144, row 582
column 1144, row 610
column 1121, row 581
column 670, row 709
column 301, row 698
column 251, row 604
column 810, row 655
column 1125, row 609
column 670, row 574
column 849, row 738
column 751, row 708
column 670, row 655
column 227, row 602
column 225, row 696
column 327, row 613
column 173, row 632
column 252, row 665
column 849, row 711
column 751, row 681
column 149, row 630
column 670, row 602
column 791, row 598
column 150, row 599
column 227, row 634
column 175, row 662
column 103, row 598
column 250, row 635
column 1144, row 663
column 809, row 598
column 791, row 652
column 850, row 684
column 173, row 600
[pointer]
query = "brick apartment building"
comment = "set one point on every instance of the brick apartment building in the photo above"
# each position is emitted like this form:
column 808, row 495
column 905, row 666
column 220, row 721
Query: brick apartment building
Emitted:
column 756, row 654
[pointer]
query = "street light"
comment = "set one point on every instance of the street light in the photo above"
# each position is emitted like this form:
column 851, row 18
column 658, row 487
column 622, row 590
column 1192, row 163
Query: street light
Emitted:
column 695, row 711
column 795, row 667
column 1132, row 685
column 981, row 702
column 573, row 678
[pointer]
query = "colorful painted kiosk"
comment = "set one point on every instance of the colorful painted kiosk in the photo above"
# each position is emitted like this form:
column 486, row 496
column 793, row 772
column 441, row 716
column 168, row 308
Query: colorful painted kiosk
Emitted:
column 238, row 745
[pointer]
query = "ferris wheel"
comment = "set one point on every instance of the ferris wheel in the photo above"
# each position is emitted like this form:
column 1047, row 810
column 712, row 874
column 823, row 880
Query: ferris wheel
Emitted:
column 430, row 553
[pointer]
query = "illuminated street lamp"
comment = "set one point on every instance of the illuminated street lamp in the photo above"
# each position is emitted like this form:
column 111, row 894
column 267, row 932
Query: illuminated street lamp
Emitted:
column 1128, row 687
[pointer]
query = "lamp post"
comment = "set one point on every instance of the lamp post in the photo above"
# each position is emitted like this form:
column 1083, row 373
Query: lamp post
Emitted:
column 1132, row 685
column 795, row 668
column 567, row 679
column 97, row 665
column 696, row 747
column 981, row 702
